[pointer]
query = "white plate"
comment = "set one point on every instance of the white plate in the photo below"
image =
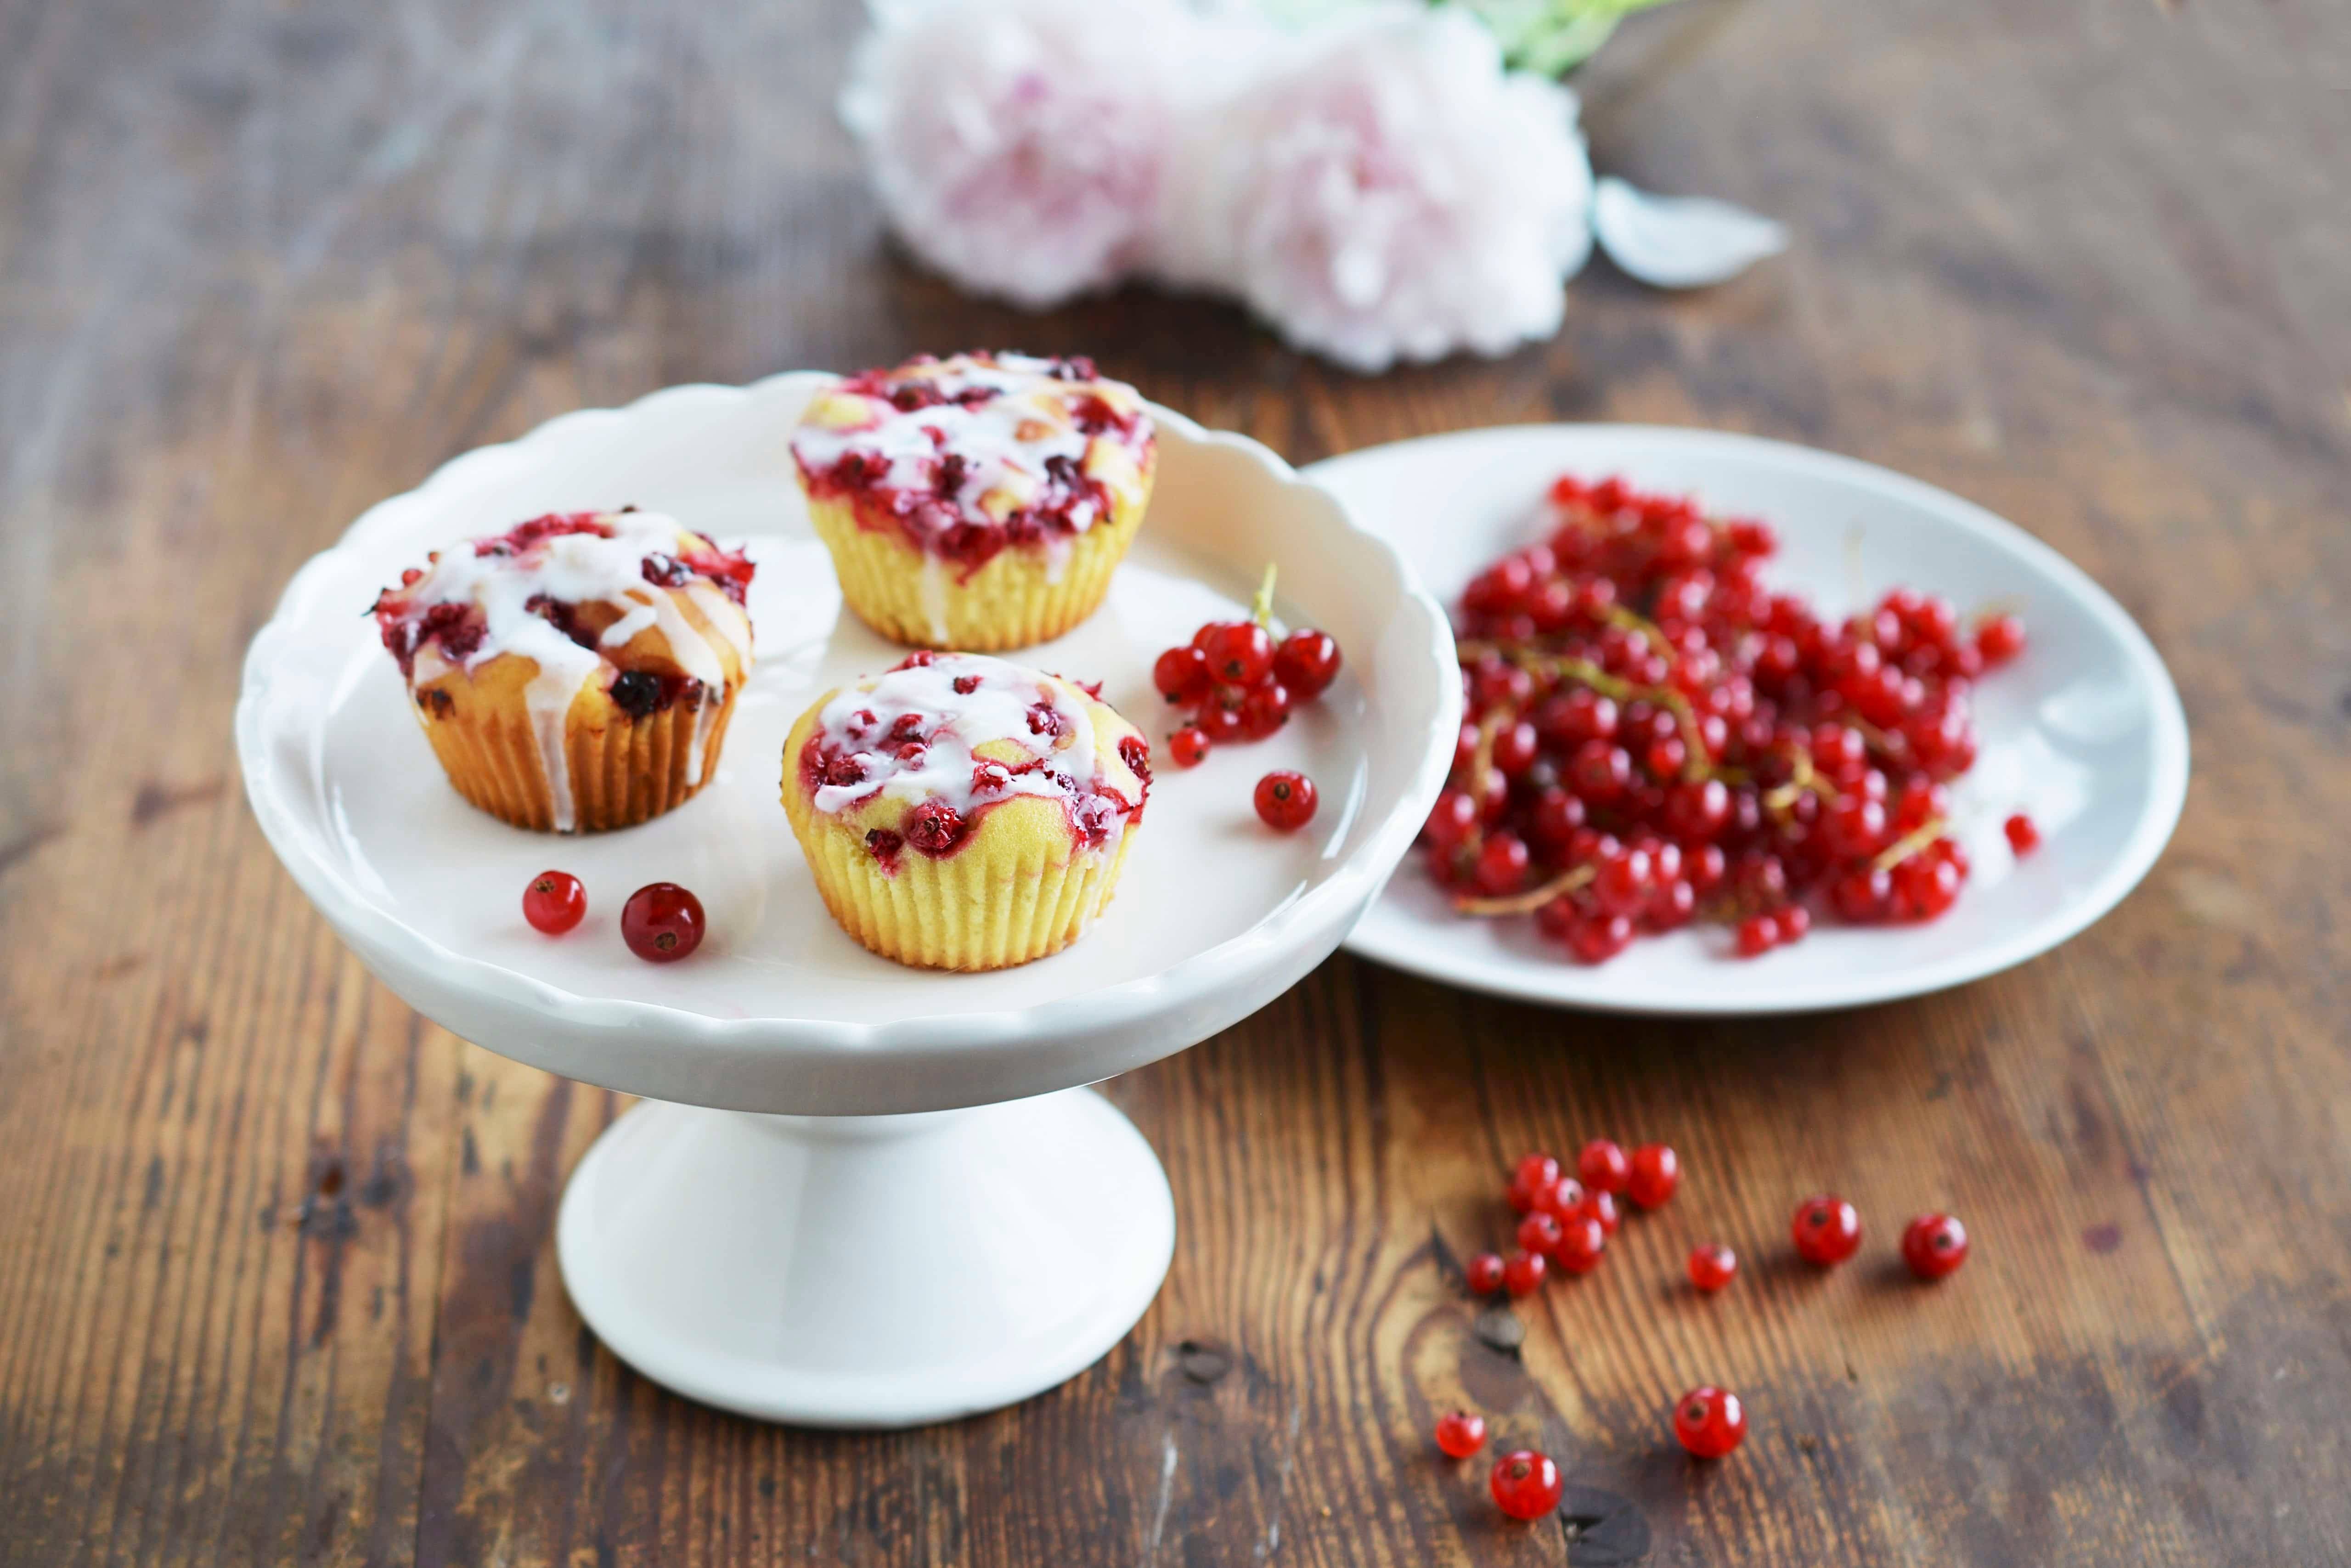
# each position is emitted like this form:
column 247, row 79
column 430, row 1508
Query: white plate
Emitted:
column 780, row 1010
column 2084, row 732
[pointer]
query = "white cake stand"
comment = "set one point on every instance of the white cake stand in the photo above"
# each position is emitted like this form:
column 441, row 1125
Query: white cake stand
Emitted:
column 867, row 1195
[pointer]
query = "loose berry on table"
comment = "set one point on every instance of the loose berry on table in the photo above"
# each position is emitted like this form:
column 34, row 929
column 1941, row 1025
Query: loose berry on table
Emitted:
column 1655, row 1171
column 1460, row 1434
column 1528, row 1177
column 1483, row 1273
column 1526, row 1485
column 1712, row 1266
column 1522, row 1273
column 1581, row 1243
column 1934, row 1245
column 1285, row 801
column 1561, row 1199
column 1710, row 1422
column 662, row 922
column 1539, row 1232
column 1827, row 1231
column 1602, row 1207
column 554, row 902
column 1189, row 745
column 1603, row 1165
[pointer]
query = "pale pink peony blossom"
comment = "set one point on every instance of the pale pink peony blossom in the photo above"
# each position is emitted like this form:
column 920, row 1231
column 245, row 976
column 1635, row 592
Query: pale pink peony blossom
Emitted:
column 1019, row 146
column 1385, row 189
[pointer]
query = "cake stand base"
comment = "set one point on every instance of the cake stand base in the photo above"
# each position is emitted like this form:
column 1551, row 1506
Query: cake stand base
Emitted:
column 866, row 1270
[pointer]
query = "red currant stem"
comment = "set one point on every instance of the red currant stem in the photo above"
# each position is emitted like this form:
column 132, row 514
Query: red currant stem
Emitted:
column 1565, row 882
column 1995, row 607
column 1801, row 779
column 1910, row 843
column 1560, row 667
column 1261, row 605
column 1634, row 621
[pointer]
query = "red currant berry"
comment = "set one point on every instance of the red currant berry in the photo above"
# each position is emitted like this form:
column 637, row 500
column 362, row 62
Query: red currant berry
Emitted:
column 1285, row 801
column 1827, row 1231
column 1712, row 1265
column 662, row 922
column 1528, row 1177
column 1307, row 662
column 2022, row 836
column 1539, row 1231
column 1265, row 710
column 1514, row 747
column 1483, row 1273
column 1522, row 1273
column 1623, row 883
column 1450, row 820
column 1599, row 937
column 2000, row 639
column 1758, row 934
column 1502, row 862
column 1561, row 1198
column 554, row 902
column 1602, row 1207
column 1603, row 1165
column 1795, row 922
column 1581, row 1242
column 1189, row 745
column 1710, row 1421
column 1934, row 1245
column 1656, row 1171
column 1526, row 1485
column 1239, row 652
column 1460, row 1434
column 1181, row 675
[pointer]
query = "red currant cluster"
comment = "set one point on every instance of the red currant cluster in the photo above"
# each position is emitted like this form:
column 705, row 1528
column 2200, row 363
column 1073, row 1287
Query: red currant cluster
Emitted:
column 662, row 922
column 1239, row 681
column 1567, row 1219
column 1654, row 735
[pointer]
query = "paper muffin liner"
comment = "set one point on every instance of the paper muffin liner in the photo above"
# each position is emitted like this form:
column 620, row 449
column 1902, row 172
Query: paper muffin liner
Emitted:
column 920, row 599
column 999, row 900
column 623, row 770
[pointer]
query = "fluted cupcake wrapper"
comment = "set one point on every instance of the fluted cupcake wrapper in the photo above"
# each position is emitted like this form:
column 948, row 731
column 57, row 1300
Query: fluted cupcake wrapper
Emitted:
column 921, row 600
column 622, row 772
column 984, row 907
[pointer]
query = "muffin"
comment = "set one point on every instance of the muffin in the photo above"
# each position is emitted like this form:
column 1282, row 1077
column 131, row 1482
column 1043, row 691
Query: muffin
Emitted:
column 980, row 503
column 963, row 813
column 576, row 673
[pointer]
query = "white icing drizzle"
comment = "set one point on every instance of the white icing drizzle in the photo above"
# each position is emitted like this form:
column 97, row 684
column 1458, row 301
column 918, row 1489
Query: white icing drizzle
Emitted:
column 577, row 569
column 1004, row 443
column 934, row 585
column 862, row 724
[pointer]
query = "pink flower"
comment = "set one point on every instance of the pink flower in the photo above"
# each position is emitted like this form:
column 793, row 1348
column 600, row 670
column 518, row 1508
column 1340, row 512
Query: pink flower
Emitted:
column 1018, row 145
column 1386, row 191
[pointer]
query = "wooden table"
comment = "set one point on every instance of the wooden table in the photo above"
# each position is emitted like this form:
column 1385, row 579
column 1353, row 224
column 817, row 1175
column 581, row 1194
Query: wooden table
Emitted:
column 276, row 1276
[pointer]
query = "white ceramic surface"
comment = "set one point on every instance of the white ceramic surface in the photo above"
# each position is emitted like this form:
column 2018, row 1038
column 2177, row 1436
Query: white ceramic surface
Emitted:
column 2085, row 732
column 882, row 1257
column 866, row 1270
column 781, row 1011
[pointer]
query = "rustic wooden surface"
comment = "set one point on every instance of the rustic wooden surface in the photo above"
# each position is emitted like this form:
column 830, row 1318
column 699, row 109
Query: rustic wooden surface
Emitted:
column 276, row 1276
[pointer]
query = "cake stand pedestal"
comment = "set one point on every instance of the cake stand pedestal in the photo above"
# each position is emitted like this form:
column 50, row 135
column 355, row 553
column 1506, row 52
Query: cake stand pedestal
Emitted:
column 866, row 1270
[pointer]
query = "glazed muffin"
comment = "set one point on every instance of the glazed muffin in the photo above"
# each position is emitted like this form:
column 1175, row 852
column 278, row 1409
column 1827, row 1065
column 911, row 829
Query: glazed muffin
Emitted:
column 964, row 812
column 576, row 673
column 978, row 503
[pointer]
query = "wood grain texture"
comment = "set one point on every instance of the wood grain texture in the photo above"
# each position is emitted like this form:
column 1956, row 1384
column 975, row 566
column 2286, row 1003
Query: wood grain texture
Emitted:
column 277, row 1283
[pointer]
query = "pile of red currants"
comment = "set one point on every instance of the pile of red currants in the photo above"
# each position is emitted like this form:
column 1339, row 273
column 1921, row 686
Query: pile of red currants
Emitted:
column 1654, row 737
